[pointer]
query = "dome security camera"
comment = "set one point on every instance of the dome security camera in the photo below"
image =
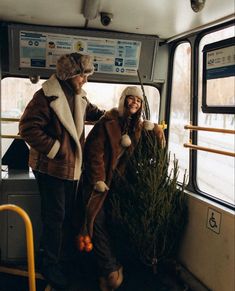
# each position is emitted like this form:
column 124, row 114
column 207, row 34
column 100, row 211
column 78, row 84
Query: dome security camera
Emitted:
column 34, row 79
column 106, row 18
column 197, row 5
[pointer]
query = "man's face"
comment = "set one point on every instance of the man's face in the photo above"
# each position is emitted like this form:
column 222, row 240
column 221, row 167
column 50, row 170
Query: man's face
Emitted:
column 77, row 82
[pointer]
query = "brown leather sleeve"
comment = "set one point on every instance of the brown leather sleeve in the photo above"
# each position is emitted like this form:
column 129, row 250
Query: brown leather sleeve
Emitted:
column 35, row 122
column 160, row 135
column 94, row 205
column 93, row 113
column 94, row 154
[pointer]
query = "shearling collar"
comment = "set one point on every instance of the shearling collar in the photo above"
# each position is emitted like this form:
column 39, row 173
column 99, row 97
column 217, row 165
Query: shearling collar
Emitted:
column 61, row 108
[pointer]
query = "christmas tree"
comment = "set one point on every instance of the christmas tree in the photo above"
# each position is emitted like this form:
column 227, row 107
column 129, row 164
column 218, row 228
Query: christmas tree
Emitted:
column 148, row 204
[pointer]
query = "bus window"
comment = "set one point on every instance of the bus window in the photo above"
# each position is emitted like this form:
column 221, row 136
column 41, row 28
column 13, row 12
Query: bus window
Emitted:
column 215, row 173
column 180, row 107
column 16, row 93
column 106, row 96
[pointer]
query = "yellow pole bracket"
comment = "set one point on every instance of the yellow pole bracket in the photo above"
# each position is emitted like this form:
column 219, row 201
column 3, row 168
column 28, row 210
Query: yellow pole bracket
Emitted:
column 163, row 125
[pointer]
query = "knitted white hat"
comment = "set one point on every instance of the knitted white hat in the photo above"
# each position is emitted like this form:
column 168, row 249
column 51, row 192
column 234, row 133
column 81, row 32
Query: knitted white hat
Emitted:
column 71, row 65
column 130, row 90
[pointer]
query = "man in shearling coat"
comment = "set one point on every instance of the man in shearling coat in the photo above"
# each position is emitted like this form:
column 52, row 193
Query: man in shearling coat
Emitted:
column 53, row 126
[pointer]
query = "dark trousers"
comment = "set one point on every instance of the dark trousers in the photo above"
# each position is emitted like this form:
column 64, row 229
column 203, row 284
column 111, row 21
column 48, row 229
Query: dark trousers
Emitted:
column 103, row 246
column 57, row 202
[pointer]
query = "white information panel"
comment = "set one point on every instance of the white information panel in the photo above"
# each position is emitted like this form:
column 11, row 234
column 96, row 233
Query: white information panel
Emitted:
column 220, row 62
column 112, row 56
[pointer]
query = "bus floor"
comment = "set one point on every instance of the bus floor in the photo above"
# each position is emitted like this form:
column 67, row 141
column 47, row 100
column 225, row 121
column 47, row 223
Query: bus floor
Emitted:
column 140, row 279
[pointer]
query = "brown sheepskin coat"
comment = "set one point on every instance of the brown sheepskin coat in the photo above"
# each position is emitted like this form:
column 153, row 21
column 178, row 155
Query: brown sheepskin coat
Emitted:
column 103, row 153
column 54, row 131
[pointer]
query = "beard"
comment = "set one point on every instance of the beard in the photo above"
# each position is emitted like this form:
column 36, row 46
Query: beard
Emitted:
column 77, row 87
column 77, row 90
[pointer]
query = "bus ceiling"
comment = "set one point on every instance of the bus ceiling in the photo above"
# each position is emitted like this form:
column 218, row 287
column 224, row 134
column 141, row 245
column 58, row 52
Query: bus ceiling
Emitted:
column 150, row 17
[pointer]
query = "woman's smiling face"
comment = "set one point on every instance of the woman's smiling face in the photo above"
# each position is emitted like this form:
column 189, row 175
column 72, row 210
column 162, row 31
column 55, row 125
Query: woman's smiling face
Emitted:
column 133, row 103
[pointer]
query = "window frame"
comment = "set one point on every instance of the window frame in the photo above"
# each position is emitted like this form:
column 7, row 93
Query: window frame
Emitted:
column 194, row 40
column 194, row 136
column 171, row 88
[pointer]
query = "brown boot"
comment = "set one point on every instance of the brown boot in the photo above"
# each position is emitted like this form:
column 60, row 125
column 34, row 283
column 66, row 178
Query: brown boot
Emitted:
column 112, row 281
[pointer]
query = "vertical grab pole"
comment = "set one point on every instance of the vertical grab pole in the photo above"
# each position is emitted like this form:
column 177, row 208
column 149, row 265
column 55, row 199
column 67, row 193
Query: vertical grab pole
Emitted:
column 29, row 240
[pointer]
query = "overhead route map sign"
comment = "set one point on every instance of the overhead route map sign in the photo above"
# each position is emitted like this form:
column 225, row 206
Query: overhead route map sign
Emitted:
column 112, row 56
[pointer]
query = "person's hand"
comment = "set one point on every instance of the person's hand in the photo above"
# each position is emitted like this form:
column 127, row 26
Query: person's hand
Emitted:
column 100, row 186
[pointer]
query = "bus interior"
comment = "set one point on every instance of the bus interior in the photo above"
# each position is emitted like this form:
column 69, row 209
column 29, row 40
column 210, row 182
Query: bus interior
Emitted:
column 182, row 53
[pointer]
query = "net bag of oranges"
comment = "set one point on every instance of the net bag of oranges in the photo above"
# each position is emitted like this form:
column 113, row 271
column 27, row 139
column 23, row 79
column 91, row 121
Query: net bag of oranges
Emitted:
column 83, row 242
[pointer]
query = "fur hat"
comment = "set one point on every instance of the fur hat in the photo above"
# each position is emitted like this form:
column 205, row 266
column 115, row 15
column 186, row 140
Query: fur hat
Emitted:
column 130, row 90
column 71, row 65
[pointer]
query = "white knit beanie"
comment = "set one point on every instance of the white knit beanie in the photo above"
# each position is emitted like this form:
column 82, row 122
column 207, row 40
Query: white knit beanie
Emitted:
column 71, row 65
column 130, row 90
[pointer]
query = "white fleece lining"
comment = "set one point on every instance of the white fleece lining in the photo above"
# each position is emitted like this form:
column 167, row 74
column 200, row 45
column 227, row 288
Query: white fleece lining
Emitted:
column 54, row 150
column 60, row 106
column 79, row 111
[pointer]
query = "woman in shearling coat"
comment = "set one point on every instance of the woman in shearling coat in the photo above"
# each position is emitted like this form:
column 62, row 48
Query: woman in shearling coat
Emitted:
column 108, row 145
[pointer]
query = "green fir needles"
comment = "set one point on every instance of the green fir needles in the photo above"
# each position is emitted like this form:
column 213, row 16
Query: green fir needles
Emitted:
column 149, row 205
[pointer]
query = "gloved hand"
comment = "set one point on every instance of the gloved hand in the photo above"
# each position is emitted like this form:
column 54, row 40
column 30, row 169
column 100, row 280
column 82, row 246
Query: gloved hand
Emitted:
column 100, row 186
column 148, row 125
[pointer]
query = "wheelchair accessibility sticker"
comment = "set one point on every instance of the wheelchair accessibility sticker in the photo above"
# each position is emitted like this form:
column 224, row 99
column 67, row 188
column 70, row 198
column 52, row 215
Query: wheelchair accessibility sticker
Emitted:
column 213, row 220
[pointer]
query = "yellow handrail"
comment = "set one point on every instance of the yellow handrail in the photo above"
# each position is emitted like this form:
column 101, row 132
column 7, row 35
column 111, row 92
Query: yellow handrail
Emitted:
column 29, row 240
column 10, row 119
column 211, row 129
column 206, row 149
column 14, row 136
column 196, row 147
column 162, row 125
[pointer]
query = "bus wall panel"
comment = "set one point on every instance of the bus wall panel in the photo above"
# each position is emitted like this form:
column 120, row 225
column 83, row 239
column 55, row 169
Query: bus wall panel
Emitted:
column 13, row 237
column 205, row 253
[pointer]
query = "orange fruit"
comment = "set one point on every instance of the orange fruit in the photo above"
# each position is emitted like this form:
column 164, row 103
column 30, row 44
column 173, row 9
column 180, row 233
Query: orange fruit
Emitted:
column 87, row 239
column 80, row 237
column 81, row 246
column 88, row 247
